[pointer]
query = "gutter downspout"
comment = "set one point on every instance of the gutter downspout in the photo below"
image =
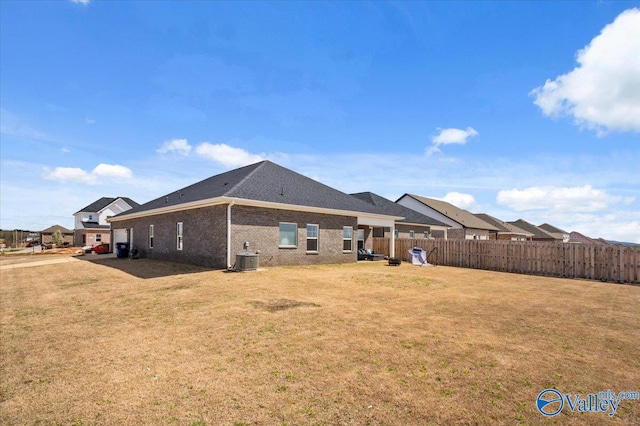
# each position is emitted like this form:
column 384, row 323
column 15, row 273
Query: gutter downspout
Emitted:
column 229, row 233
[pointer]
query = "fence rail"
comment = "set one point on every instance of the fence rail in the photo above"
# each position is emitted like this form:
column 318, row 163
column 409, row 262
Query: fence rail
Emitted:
column 554, row 259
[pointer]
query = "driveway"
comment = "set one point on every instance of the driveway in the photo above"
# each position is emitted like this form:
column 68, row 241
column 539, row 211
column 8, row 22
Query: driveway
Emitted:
column 27, row 262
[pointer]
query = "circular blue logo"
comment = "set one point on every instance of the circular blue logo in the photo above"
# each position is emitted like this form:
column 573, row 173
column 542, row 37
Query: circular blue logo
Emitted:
column 549, row 402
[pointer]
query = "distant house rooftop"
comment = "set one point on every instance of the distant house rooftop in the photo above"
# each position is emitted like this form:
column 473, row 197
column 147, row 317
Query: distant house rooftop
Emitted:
column 538, row 233
column 395, row 209
column 54, row 228
column 503, row 227
column 103, row 202
column 461, row 216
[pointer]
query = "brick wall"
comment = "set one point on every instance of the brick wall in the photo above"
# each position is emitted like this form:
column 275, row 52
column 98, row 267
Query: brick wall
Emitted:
column 403, row 231
column 455, row 234
column 205, row 236
column 259, row 227
column 90, row 238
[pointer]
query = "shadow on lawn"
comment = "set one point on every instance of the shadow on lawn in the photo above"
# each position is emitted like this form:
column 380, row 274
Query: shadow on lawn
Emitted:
column 144, row 268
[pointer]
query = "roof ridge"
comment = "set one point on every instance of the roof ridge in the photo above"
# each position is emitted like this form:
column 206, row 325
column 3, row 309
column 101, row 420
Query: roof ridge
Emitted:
column 257, row 167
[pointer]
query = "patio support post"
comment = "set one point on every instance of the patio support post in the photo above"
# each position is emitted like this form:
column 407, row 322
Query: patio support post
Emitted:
column 392, row 241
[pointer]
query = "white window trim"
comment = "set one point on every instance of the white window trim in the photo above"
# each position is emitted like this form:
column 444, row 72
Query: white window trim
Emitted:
column 317, row 238
column 151, row 236
column 179, row 236
column 295, row 245
column 347, row 239
column 98, row 238
column 412, row 234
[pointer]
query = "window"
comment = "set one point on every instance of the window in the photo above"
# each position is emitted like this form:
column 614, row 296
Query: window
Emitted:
column 150, row 236
column 426, row 235
column 412, row 234
column 360, row 239
column 179, row 231
column 347, row 238
column 395, row 234
column 312, row 238
column 98, row 238
column 288, row 235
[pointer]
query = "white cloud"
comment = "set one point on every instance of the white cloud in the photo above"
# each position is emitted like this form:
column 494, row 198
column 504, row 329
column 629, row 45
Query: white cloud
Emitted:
column 571, row 199
column 603, row 92
column 71, row 174
column 451, row 136
column 460, row 200
column 115, row 171
column 227, row 155
column 178, row 146
column 83, row 2
column 78, row 175
column 89, row 120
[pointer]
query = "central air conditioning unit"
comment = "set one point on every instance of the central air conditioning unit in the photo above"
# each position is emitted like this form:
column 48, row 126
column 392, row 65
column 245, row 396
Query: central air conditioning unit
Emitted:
column 246, row 262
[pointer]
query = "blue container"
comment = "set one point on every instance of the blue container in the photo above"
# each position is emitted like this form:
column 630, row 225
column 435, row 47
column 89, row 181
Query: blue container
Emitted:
column 122, row 250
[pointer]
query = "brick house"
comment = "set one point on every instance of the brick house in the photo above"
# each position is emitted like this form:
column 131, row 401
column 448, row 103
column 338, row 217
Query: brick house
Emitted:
column 463, row 224
column 288, row 218
column 539, row 234
column 46, row 235
column 506, row 231
column 557, row 233
column 91, row 226
column 414, row 225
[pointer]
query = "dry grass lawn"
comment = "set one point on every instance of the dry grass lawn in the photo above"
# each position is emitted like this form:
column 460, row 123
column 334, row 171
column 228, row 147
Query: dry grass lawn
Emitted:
column 115, row 342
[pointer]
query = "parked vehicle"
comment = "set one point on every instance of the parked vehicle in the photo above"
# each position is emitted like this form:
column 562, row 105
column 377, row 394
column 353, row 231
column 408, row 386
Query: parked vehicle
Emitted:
column 99, row 248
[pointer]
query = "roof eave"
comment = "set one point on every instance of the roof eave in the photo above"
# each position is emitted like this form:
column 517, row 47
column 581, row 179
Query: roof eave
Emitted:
column 423, row 224
column 252, row 203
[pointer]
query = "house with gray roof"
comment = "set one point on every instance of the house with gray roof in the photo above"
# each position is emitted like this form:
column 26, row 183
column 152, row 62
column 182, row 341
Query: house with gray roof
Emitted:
column 464, row 225
column 557, row 233
column 46, row 235
column 506, row 231
column 91, row 226
column 264, row 208
column 539, row 234
column 415, row 225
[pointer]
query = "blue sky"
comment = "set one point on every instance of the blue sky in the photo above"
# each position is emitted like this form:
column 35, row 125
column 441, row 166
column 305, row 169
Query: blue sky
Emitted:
column 517, row 109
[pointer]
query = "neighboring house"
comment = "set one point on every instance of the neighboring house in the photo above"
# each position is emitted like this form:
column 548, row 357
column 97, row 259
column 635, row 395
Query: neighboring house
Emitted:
column 506, row 231
column 464, row 225
column 538, row 233
column 414, row 225
column 557, row 233
column 288, row 218
column 46, row 236
column 578, row 238
column 604, row 242
column 91, row 226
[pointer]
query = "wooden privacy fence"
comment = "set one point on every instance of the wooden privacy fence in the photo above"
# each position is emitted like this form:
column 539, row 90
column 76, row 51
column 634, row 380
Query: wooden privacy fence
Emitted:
column 554, row 259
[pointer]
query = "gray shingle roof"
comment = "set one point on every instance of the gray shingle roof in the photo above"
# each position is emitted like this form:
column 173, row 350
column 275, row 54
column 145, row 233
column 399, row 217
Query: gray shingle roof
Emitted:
column 263, row 181
column 103, row 202
column 463, row 217
column 502, row 226
column 536, row 231
column 576, row 237
column 551, row 229
column 94, row 225
column 395, row 209
column 54, row 228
